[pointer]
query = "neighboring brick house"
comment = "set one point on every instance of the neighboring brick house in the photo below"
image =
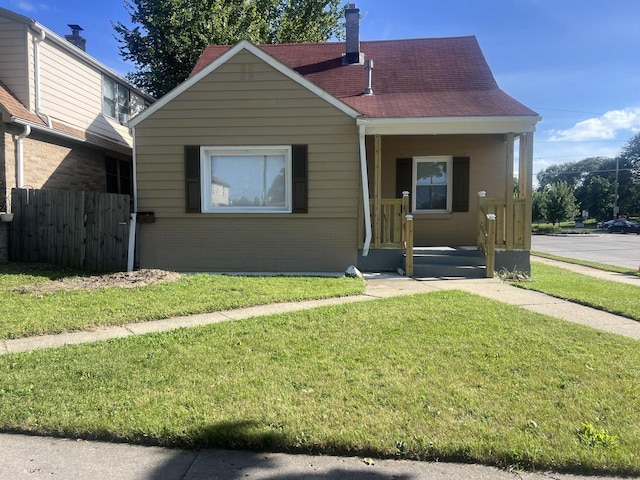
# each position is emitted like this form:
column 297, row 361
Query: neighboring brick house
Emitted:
column 64, row 113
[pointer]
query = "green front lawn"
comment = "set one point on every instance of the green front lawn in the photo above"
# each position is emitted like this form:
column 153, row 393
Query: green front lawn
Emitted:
column 25, row 314
column 613, row 297
column 446, row 375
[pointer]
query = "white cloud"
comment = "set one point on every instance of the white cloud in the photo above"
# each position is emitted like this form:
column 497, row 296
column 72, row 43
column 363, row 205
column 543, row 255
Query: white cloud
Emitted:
column 26, row 6
column 604, row 127
column 30, row 7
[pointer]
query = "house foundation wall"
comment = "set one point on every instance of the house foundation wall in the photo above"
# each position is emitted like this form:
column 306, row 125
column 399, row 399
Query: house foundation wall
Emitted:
column 513, row 261
column 237, row 245
column 381, row 260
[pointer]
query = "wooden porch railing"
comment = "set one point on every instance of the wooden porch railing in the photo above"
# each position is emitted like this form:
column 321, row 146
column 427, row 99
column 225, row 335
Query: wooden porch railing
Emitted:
column 500, row 225
column 395, row 227
column 510, row 221
column 391, row 221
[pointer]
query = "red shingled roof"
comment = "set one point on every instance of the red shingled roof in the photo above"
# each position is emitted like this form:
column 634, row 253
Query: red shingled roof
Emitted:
column 431, row 77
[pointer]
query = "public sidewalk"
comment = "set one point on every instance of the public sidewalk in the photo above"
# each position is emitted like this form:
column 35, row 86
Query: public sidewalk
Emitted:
column 38, row 458
column 42, row 457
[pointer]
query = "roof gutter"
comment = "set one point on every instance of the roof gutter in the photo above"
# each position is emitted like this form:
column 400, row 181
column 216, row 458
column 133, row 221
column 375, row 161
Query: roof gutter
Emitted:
column 47, row 129
column 365, row 190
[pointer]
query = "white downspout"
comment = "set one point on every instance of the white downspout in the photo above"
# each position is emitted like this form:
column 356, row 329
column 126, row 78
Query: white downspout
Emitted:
column 365, row 191
column 36, row 73
column 134, row 216
column 20, row 156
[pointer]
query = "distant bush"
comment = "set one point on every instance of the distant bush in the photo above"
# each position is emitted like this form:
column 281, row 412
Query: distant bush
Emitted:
column 546, row 229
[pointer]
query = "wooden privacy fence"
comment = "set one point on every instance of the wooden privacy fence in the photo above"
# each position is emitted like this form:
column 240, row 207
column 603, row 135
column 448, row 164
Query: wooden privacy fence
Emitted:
column 83, row 230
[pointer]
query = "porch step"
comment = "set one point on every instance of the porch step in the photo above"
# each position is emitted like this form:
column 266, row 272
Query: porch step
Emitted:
column 448, row 262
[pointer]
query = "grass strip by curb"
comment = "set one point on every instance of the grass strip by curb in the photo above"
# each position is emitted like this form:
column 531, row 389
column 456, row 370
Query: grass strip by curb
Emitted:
column 584, row 263
column 609, row 296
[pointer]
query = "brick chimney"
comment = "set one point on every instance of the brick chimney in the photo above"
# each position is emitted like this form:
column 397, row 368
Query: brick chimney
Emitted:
column 352, row 18
column 75, row 38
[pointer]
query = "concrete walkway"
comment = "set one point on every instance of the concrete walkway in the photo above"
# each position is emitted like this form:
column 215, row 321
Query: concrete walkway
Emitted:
column 41, row 457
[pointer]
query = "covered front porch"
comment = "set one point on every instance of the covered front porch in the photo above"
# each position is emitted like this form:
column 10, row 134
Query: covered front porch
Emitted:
column 477, row 216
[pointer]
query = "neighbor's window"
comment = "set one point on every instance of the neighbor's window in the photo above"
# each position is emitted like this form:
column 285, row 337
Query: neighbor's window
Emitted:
column 119, row 176
column 432, row 188
column 119, row 102
column 246, row 179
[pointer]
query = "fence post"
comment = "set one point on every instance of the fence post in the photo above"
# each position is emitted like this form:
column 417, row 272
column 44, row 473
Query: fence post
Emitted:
column 409, row 247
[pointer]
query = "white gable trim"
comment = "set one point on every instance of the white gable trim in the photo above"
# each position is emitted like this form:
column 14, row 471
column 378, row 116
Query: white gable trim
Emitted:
column 222, row 59
column 449, row 125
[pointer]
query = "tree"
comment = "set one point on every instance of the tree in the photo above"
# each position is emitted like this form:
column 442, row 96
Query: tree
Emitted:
column 596, row 196
column 629, row 185
column 631, row 154
column 560, row 202
column 539, row 209
column 168, row 36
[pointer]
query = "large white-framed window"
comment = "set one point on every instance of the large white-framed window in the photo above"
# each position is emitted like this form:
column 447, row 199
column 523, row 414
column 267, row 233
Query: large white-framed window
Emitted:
column 432, row 186
column 246, row 179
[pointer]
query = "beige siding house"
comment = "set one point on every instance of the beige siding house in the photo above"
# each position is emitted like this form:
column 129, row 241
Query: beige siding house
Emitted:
column 64, row 114
column 315, row 145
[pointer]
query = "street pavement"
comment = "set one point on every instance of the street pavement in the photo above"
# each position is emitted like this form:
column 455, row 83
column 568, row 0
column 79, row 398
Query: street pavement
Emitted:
column 32, row 457
column 609, row 248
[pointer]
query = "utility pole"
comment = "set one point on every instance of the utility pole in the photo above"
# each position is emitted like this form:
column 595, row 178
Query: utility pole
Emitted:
column 616, row 210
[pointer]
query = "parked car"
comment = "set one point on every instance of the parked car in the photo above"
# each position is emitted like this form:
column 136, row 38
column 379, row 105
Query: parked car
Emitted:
column 624, row 226
column 605, row 225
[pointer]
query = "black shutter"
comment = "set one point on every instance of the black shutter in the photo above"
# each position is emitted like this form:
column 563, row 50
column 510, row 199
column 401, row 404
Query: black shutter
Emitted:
column 192, row 178
column 404, row 180
column 300, row 179
column 460, row 184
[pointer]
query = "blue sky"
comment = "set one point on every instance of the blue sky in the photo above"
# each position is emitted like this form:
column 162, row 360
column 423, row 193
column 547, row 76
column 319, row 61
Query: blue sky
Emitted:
column 573, row 61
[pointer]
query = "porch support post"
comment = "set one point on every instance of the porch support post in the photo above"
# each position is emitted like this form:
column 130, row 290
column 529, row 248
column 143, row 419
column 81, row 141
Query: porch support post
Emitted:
column 509, row 226
column 377, row 192
column 525, row 183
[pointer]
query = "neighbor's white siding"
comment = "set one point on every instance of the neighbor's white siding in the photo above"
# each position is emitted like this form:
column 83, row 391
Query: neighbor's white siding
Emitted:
column 72, row 93
column 13, row 58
